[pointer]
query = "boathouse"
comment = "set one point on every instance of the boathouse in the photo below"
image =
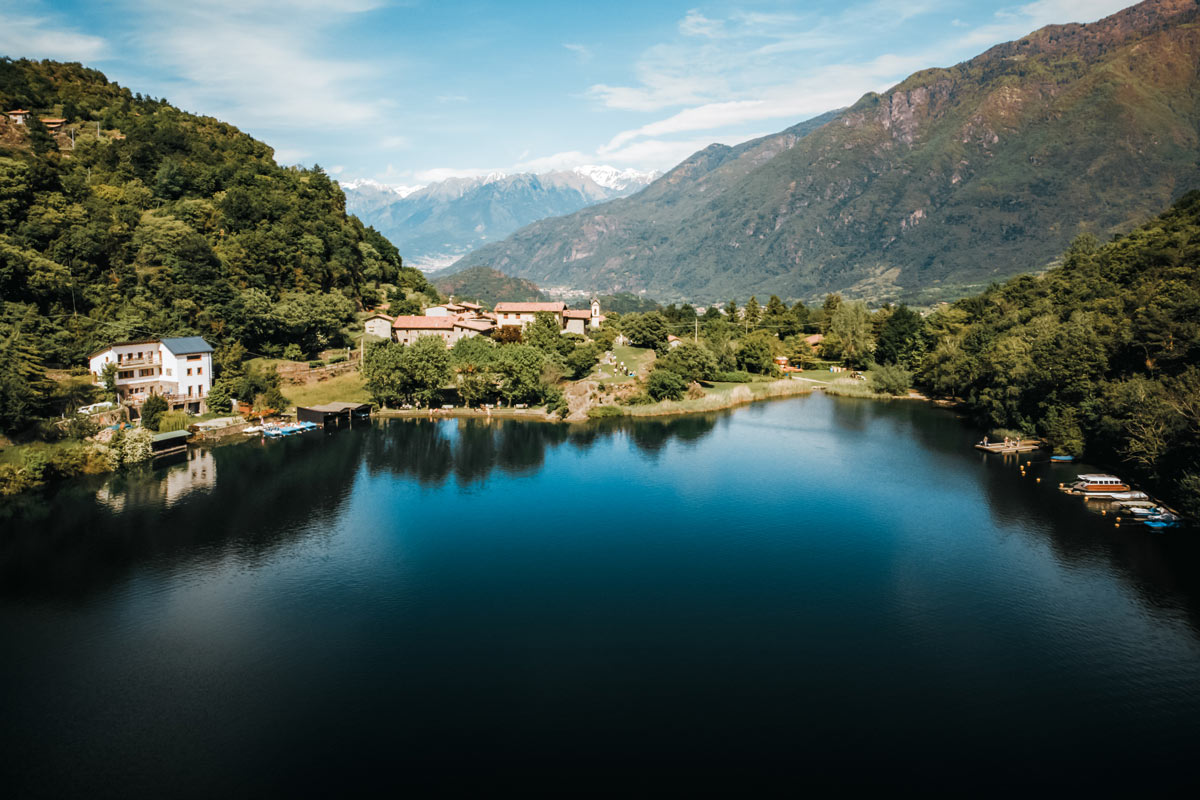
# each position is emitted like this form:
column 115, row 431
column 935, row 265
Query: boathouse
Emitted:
column 164, row 444
column 335, row 415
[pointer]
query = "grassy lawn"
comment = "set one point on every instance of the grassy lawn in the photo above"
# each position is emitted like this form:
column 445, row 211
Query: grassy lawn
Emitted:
column 16, row 453
column 347, row 387
column 634, row 357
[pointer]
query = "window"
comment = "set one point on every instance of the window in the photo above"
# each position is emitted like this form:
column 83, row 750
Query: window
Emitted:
column 169, row 371
column 125, row 374
column 199, row 370
column 189, row 370
column 146, row 373
column 193, row 358
column 189, row 391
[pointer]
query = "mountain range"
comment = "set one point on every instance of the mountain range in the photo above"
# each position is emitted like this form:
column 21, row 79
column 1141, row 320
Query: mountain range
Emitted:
column 954, row 178
column 433, row 225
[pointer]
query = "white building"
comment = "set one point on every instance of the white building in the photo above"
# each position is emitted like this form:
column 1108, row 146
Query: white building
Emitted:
column 379, row 324
column 179, row 369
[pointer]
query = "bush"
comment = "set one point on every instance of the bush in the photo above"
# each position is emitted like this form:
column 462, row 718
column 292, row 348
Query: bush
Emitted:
column 735, row 376
column 293, row 352
column 152, row 410
column 691, row 360
column 174, row 421
column 890, row 379
column 556, row 401
column 604, row 412
column 218, row 397
column 666, row 385
column 338, row 359
column 695, row 391
column 315, row 363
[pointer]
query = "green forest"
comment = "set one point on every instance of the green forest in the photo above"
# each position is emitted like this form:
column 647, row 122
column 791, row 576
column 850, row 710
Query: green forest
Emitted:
column 136, row 219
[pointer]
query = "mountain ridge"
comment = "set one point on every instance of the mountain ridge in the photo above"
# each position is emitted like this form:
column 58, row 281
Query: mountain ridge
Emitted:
column 953, row 178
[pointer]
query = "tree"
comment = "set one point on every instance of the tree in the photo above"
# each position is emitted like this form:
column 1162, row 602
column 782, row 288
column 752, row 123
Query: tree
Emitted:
column 752, row 314
column 382, row 373
column 520, row 369
column 849, row 335
column 691, row 360
column 645, row 330
column 663, row 384
column 581, row 359
column 152, row 410
column 545, row 334
column 756, row 352
column 902, row 339
column 24, row 391
column 425, row 369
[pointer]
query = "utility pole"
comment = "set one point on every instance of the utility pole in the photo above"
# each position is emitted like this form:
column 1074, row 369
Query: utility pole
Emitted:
column 696, row 322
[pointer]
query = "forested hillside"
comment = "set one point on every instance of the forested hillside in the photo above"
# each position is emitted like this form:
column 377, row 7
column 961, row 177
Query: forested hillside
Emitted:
column 487, row 286
column 952, row 179
column 138, row 219
column 1101, row 355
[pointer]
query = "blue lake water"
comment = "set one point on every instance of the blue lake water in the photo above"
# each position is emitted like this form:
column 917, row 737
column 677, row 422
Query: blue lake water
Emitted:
column 813, row 592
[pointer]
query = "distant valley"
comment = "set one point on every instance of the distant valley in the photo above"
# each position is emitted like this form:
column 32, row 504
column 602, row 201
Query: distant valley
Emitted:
column 434, row 225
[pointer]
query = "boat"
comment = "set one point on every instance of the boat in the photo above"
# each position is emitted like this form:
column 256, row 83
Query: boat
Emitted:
column 1062, row 458
column 1140, row 508
column 1105, row 486
column 1162, row 521
column 1132, row 494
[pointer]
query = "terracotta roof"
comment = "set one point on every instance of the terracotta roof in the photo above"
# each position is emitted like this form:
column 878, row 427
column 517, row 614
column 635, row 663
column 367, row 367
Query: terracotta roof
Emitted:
column 424, row 323
column 673, row 338
column 479, row 325
column 582, row 313
column 53, row 120
column 529, row 308
column 816, row 338
column 378, row 315
column 17, row 111
column 472, row 306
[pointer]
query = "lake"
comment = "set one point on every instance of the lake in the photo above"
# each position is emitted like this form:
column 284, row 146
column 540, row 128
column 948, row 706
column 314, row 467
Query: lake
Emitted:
column 813, row 592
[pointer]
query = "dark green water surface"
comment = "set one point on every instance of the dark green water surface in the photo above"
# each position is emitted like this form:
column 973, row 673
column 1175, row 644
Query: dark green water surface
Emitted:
column 810, row 592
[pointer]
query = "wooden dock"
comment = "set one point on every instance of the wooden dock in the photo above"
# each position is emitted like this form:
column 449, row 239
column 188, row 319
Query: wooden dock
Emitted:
column 1019, row 446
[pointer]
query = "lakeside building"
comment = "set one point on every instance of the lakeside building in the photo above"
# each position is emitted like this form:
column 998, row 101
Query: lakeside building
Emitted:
column 179, row 369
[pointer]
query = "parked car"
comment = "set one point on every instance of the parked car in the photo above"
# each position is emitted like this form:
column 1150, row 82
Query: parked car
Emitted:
column 96, row 408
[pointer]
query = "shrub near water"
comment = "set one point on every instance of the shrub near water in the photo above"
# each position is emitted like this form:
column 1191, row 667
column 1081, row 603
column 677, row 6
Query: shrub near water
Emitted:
column 891, row 379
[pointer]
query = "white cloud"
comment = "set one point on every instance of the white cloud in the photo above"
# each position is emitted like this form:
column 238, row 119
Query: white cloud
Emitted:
column 696, row 24
column 581, row 51
column 258, row 62
column 291, row 155
column 394, row 143
column 41, row 37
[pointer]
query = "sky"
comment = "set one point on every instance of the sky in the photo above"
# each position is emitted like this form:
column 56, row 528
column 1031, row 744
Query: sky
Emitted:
column 410, row 91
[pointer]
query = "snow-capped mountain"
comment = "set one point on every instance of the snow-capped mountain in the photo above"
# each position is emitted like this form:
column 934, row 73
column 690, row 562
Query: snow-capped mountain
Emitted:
column 435, row 224
column 618, row 179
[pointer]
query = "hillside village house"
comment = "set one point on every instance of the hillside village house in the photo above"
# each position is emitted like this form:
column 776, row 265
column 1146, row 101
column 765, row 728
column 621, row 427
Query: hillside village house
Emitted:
column 179, row 369
column 379, row 325
column 17, row 115
column 407, row 329
column 569, row 321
